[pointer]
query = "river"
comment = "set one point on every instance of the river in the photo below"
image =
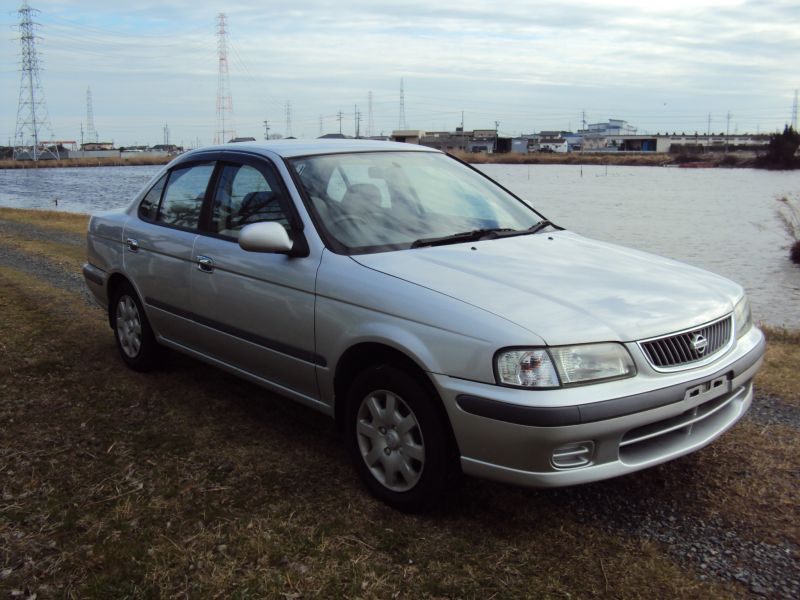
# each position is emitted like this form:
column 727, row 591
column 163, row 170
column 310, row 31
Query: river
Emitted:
column 723, row 220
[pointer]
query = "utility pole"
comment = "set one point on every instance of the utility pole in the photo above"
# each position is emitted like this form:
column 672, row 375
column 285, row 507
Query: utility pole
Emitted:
column 357, row 119
column 224, row 98
column 794, row 112
column 266, row 129
column 82, row 138
column 91, row 132
column 31, row 108
column 340, row 116
column 727, row 129
column 320, row 125
column 496, row 129
column 288, row 119
column 370, row 123
column 402, row 120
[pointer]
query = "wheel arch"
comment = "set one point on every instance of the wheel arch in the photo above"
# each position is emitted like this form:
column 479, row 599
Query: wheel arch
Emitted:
column 114, row 282
column 371, row 354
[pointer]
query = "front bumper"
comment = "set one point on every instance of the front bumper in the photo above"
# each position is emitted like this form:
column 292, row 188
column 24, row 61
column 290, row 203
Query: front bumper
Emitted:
column 511, row 435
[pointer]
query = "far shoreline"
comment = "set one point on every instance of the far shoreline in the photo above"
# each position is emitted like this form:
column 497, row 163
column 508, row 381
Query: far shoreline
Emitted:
column 539, row 158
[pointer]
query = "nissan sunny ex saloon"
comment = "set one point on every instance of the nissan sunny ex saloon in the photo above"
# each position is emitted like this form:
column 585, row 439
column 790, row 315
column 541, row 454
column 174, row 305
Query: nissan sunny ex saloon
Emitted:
column 446, row 325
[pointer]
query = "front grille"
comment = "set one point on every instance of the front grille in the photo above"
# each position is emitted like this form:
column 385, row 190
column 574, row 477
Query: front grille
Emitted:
column 686, row 348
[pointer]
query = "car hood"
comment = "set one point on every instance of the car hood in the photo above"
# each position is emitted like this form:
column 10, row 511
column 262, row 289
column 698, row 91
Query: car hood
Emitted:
column 567, row 288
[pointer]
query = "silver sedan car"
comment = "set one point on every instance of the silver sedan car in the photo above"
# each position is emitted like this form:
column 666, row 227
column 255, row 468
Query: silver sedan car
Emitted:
column 446, row 325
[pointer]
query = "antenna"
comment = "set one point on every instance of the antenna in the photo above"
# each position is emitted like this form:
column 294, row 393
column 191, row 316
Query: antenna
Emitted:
column 224, row 99
column 370, row 123
column 402, row 120
column 91, row 132
column 31, row 109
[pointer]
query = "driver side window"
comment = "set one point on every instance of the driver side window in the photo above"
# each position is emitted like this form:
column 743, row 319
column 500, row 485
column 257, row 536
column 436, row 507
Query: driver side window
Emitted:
column 245, row 195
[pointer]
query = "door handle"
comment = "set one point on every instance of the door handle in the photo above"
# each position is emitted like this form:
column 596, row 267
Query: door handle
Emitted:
column 133, row 245
column 205, row 264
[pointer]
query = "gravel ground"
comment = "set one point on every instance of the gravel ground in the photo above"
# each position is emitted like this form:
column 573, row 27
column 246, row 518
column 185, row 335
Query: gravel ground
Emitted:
column 709, row 545
column 44, row 269
column 768, row 570
column 771, row 410
column 32, row 232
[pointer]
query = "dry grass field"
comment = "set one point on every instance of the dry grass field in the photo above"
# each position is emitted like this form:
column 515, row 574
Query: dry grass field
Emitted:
column 85, row 162
column 187, row 482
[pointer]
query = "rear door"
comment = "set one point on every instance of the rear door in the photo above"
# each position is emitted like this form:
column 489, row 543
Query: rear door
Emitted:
column 255, row 311
column 159, row 247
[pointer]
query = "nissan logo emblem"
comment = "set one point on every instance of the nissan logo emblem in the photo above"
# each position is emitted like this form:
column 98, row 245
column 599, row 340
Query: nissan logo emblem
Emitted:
column 699, row 343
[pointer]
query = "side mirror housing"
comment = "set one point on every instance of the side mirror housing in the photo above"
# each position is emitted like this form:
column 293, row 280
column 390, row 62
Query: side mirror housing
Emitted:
column 267, row 236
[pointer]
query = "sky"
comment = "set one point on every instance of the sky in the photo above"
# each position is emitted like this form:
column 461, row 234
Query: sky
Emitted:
column 523, row 64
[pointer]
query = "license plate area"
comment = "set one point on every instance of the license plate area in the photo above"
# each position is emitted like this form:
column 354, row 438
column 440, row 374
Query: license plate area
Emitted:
column 708, row 390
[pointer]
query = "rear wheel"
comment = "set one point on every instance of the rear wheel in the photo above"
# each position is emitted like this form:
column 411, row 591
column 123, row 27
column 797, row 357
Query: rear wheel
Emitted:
column 135, row 340
column 398, row 439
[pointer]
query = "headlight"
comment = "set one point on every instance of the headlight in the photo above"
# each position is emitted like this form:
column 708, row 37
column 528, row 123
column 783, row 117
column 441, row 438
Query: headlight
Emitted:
column 563, row 365
column 742, row 317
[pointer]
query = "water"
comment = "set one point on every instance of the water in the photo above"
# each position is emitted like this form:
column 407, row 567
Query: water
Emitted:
column 85, row 189
column 723, row 220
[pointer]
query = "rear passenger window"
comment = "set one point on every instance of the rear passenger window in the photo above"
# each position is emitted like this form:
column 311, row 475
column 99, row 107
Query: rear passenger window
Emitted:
column 183, row 198
column 246, row 195
column 149, row 205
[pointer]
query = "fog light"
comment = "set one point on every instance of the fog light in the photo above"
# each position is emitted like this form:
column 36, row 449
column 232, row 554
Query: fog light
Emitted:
column 573, row 456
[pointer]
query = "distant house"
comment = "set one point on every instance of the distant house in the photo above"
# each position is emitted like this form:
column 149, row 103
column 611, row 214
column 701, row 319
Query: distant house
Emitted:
column 94, row 146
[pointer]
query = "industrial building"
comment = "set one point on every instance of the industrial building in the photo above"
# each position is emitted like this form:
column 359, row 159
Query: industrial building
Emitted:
column 612, row 136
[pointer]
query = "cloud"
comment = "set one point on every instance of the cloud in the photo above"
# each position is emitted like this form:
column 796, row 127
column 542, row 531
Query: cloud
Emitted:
column 528, row 64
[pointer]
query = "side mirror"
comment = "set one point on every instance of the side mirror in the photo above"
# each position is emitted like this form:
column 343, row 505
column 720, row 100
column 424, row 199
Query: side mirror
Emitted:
column 268, row 236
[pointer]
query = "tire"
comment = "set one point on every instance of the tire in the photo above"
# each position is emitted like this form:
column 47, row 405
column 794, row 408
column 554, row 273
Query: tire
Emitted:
column 398, row 439
column 135, row 340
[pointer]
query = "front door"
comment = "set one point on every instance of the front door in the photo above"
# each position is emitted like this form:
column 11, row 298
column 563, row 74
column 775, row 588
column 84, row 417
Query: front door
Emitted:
column 254, row 311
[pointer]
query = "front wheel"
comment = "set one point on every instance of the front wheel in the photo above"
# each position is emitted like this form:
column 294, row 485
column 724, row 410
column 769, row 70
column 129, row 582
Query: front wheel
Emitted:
column 135, row 340
column 398, row 439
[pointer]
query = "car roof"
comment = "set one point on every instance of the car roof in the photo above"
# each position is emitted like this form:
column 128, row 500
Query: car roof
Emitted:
column 292, row 148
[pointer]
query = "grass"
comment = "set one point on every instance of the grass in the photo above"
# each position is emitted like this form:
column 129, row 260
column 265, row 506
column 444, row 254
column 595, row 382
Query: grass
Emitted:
column 190, row 482
column 47, row 219
column 778, row 377
column 85, row 162
column 790, row 215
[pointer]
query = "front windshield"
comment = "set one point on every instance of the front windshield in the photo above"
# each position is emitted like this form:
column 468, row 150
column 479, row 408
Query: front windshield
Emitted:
column 373, row 201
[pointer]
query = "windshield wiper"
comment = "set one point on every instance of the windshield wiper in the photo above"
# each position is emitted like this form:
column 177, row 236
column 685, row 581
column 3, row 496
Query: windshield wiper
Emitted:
column 463, row 236
column 538, row 227
column 479, row 234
